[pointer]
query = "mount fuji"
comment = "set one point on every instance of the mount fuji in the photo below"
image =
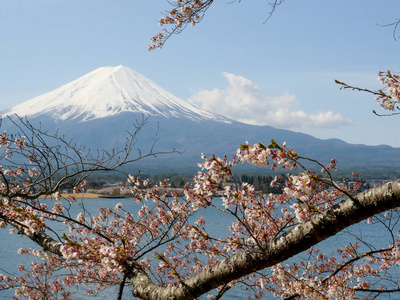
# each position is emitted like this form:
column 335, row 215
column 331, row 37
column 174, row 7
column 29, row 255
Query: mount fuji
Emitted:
column 98, row 109
column 106, row 92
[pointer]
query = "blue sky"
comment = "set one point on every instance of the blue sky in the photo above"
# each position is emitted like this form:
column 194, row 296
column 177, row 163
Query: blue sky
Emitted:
column 280, row 73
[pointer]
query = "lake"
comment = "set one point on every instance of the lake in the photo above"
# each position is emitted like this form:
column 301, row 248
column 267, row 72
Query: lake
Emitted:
column 10, row 243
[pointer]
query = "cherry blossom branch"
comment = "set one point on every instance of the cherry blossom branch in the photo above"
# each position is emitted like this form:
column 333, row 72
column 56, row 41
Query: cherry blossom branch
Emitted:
column 300, row 238
column 221, row 292
column 188, row 12
column 395, row 27
column 266, row 231
column 326, row 170
column 387, row 115
column 54, row 161
column 377, row 291
column 183, row 13
column 354, row 259
column 42, row 239
column 388, row 97
column 274, row 6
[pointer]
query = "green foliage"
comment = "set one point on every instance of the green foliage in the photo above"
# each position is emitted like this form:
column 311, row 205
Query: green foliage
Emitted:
column 176, row 180
column 263, row 183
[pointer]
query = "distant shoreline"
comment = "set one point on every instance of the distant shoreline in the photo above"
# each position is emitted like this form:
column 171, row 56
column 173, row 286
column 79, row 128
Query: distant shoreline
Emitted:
column 79, row 196
column 128, row 195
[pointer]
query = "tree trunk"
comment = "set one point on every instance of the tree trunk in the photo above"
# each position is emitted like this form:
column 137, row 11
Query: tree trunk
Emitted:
column 320, row 227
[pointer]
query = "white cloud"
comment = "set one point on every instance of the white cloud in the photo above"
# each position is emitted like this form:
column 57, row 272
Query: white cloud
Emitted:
column 243, row 101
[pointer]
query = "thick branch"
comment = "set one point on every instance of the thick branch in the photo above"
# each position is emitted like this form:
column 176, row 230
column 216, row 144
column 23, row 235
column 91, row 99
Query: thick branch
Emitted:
column 47, row 242
column 42, row 239
column 320, row 227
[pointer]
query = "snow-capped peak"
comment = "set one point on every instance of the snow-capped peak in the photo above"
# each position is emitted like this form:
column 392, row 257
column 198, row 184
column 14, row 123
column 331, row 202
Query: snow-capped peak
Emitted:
column 108, row 91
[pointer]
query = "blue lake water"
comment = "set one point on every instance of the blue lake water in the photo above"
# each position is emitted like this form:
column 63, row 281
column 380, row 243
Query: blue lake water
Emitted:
column 217, row 225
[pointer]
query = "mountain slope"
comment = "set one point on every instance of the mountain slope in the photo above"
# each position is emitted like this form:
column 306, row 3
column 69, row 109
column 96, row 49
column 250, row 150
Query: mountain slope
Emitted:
column 109, row 91
column 99, row 109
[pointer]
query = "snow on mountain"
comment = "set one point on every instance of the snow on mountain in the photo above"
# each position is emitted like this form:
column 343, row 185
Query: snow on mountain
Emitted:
column 110, row 100
column 109, row 91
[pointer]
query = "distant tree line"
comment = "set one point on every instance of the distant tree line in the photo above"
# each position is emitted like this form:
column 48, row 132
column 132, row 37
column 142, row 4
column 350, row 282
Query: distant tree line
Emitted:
column 263, row 183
